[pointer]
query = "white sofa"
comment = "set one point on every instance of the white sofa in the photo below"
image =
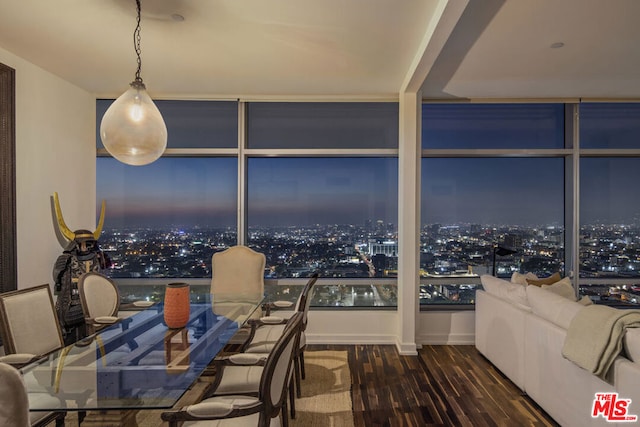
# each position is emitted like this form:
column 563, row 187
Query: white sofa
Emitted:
column 521, row 330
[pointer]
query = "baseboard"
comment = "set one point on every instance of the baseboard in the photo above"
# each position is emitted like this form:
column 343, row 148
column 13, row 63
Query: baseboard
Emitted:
column 347, row 339
column 423, row 339
column 446, row 339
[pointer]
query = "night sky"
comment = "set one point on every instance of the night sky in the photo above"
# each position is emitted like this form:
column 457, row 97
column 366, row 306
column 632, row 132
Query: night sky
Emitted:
column 306, row 191
column 281, row 191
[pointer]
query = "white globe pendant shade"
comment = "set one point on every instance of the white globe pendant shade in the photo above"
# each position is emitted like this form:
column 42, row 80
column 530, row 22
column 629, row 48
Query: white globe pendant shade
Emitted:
column 132, row 129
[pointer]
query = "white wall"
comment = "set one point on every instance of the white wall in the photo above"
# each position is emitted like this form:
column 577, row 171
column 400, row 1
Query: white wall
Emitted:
column 446, row 327
column 352, row 327
column 380, row 327
column 55, row 151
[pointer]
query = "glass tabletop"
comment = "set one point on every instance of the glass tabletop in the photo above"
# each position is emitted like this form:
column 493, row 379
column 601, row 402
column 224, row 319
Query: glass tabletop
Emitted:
column 138, row 363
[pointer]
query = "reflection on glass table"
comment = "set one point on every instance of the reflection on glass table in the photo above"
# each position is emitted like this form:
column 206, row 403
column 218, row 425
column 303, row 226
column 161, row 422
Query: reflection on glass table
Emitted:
column 144, row 365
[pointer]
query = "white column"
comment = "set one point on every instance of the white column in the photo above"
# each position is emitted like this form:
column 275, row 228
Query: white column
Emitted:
column 408, row 220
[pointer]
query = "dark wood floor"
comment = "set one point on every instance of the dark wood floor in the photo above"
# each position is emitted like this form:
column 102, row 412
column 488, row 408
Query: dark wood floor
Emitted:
column 443, row 386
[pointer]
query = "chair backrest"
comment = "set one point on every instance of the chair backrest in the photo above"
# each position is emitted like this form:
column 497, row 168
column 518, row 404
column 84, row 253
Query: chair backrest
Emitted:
column 237, row 272
column 28, row 321
column 304, row 301
column 276, row 372
column 14, row 403
column 99, row 295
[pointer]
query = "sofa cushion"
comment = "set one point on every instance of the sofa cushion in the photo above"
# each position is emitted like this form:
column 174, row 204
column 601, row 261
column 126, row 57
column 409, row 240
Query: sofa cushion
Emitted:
column 555, row 277
column 504, row 289
column 521, row 279
column 564, row 288
column 552, row 307
column 631, row 344
column 585, row 300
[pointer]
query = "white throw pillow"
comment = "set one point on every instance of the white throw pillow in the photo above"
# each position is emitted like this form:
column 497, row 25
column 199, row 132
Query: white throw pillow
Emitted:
column 552, row 307
column 504, row 289
column 521, row 279
column 564, row 288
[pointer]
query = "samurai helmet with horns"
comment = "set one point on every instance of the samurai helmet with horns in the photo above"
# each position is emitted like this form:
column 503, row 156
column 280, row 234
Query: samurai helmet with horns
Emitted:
column 85, row 240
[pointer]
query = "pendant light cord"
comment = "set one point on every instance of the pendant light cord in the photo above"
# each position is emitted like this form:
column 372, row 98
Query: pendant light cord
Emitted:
column 136, row 43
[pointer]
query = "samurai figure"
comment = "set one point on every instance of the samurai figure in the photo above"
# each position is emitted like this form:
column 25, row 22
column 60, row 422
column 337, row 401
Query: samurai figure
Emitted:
column 81, row 255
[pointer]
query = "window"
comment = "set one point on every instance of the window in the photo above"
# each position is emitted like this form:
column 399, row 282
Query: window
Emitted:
column 166, row 219
column 607, row 125
column 319, row 184
column 610, row 228
column 323, row 125
column 482, row 126
column 191, row 124
column 319, row 212
column 609, row 222
column 306, row 213
column 473, row 204
column 336, row 215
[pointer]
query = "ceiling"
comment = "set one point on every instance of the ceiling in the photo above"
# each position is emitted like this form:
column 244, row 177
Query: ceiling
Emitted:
column 335, row 48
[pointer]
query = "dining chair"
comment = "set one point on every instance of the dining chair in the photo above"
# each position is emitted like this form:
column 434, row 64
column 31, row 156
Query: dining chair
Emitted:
column 16, row 402
column 100, row 301
column 30, row 330
column 28, row 325
column 237, row 410
column 237, row 273
column 239, row 373
column 14, row 407
column 266, row 330
column 238, row 270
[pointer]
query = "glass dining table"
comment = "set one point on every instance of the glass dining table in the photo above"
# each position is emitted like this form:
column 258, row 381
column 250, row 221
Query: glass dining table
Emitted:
column 138, row 363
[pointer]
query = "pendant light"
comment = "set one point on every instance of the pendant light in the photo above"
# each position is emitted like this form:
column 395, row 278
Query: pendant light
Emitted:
column 132, row 129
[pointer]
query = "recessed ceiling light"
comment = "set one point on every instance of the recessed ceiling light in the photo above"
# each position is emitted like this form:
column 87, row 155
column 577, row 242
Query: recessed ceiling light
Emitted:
column 177, row 17
column 557, row 45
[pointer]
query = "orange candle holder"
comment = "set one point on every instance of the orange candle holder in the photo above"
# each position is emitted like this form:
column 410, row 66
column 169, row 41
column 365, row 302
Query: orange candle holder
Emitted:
column 176, row 305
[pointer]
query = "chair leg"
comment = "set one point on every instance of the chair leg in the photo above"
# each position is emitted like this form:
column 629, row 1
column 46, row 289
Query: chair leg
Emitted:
column 301, row 356
column 284, row 414
column 298, row 381
column 292, row 400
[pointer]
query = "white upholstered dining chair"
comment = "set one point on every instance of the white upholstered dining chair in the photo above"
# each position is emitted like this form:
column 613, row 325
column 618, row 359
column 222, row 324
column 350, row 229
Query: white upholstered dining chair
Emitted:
column 14, row 403
column 28, row 325
column 237, row 271
column 100, row 301
column 30, row 330
column 266, row 331
column 237, row 274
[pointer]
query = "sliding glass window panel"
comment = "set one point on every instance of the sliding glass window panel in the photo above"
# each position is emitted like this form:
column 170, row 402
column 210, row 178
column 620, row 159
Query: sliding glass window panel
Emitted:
column 191, row 124
column 474, row 208
column 337, row 216
column 492, row 126
column 610, row 125
column 609, row 218
column 296, row 125
column 166, row 219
